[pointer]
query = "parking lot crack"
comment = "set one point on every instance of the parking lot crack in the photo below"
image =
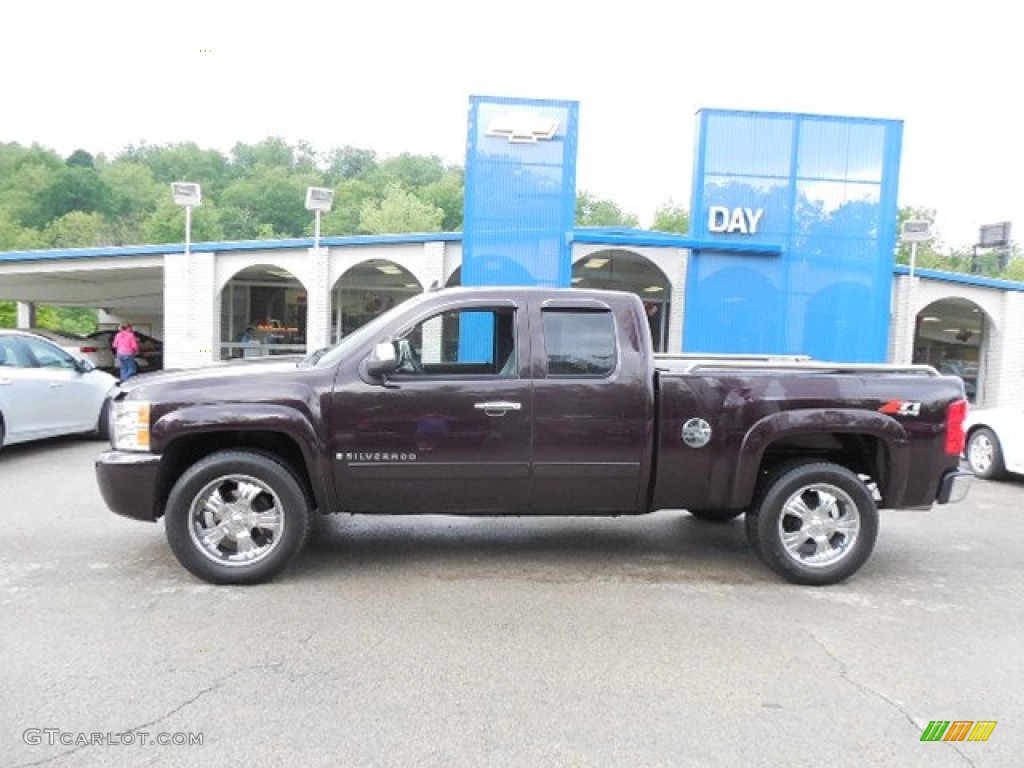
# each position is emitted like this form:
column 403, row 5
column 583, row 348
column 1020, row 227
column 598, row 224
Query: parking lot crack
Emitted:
column 844, row 673
column 141, row 727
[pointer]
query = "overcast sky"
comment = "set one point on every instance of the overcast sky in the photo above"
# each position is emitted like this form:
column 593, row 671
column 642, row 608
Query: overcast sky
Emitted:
column 397, row 76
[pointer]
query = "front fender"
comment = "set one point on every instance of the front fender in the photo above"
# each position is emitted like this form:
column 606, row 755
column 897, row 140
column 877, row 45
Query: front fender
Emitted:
column 219, row 418
column 816, row 421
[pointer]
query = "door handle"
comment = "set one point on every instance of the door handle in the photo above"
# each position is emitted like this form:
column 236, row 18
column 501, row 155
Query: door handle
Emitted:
column 498, row 407
column 6, row 382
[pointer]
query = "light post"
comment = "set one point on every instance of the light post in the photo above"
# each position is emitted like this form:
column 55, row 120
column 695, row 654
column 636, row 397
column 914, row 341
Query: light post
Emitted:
column 187, row 194
column 318, row 305
column 914, row 231
column 319, row 200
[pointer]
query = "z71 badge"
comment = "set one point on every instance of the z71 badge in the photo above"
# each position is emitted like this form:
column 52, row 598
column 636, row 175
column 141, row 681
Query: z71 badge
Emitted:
column 901, row 408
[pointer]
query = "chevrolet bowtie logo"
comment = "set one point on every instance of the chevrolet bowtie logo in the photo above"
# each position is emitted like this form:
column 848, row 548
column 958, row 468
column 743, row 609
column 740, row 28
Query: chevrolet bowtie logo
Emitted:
column 524, row 127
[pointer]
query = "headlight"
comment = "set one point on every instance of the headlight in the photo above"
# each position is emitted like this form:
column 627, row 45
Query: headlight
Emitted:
column 130, row 426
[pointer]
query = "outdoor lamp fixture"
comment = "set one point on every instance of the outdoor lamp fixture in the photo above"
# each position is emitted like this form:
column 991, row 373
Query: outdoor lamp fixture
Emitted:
column 318, row 200
column 915, row 231
column 187, row 195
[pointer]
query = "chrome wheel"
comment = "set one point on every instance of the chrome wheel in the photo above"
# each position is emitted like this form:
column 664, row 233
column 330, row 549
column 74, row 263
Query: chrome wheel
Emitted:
column 237, row 517
column 981, row 453
column 819, row 525
column 985, row 454
column 813, row 522
column 236, row 520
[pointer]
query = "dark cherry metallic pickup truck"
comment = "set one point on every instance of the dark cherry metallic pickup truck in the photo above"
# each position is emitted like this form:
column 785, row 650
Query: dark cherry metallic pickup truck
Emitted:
column 529, row 401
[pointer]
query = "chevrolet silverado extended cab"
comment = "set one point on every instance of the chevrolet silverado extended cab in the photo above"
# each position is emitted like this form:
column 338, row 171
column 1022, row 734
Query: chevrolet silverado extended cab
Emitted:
column 529, row 401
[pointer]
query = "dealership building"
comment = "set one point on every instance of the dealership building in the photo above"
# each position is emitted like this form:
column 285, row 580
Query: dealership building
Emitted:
column 793, row 231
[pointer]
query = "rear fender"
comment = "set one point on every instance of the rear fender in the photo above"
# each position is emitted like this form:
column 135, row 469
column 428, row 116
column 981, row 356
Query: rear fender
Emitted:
column 815, row 421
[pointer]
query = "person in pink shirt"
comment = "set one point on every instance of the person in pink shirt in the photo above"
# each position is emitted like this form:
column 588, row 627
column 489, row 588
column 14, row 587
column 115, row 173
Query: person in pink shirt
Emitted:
column 126, row 347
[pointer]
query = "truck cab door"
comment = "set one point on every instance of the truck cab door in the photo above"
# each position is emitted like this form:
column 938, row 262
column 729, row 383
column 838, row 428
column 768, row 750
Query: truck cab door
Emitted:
column 449, row 431
column 593, row 411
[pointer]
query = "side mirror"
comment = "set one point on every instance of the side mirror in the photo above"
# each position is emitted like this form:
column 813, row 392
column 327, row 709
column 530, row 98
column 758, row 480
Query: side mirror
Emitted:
column 382, row 361
column 84, row 366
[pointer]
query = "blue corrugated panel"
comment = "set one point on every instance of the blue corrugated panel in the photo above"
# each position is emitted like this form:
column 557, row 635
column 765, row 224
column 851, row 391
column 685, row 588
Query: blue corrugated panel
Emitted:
column 520, row 196
column 822, row 190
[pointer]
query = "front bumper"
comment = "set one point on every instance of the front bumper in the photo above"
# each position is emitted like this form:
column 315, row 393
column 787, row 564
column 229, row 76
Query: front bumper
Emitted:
column 129, row 483
column 954, row 486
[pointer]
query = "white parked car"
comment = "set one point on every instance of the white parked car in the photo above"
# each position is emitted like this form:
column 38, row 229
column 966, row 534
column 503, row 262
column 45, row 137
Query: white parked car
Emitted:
column 45, row 391
column 100, row 355
column 995, row 441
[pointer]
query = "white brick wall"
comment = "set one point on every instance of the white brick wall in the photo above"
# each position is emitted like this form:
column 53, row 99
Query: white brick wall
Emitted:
column 318, row 299
column 1001, row 354
column 1004, row 365
column 431, row 269
column 191, row 310
column 902, row 316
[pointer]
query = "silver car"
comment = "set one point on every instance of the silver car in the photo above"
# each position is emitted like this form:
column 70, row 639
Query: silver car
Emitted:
column 45, row 391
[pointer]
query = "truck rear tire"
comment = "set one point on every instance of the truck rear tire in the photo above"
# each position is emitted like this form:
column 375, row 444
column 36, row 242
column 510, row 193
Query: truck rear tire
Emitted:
column 237, row 517
column 814, row 524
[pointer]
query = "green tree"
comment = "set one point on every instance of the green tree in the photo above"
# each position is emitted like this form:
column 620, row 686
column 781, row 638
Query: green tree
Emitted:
column 183, row 162
column 273, row 152
column 671, row 217
column 134, row 197
column 74, row 188
column 77, row 229
column 167, row 223
column 592, row 211
column 80, row 159
column 413, row 171
column 349, row 163
column 349, row 197
column 15, row 237
column 399, row 211
column 26, row 189
column 447, row 193
column 276, row 197
column 72, row 319
column 134, row 192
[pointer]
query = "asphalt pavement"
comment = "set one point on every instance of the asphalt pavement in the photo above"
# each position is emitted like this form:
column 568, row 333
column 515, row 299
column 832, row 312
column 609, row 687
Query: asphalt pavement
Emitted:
column 649, row 641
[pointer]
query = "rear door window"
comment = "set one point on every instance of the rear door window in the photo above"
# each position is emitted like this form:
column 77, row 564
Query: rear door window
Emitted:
column 579, row 342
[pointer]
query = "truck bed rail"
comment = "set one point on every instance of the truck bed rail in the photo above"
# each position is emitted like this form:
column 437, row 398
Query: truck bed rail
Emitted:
column 688, row 363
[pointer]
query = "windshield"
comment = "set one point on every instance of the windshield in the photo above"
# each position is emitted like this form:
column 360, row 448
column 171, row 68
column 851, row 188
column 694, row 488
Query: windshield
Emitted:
column 361, row 335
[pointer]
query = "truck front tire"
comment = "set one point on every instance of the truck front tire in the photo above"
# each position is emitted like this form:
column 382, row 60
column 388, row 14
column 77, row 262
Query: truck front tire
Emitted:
column 814, row 524
column 237, row 517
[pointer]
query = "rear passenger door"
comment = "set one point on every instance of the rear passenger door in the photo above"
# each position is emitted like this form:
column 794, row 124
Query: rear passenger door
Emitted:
column 592, row 412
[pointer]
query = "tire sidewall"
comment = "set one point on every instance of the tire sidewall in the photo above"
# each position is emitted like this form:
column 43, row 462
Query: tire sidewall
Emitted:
column 767, row 540
column 295, row 513
column 995, row 467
